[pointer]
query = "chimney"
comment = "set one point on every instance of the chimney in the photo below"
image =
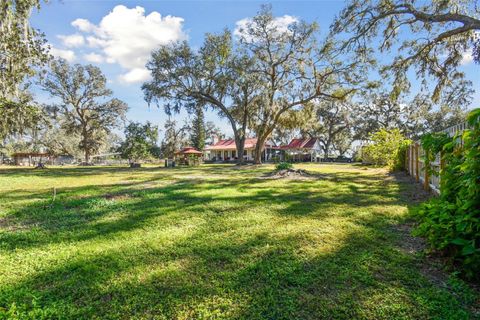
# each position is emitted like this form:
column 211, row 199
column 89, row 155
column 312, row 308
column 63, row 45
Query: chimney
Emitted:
column 214, row 139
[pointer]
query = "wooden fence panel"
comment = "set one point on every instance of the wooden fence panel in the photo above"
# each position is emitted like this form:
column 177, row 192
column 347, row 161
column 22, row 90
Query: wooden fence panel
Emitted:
column 416, row 165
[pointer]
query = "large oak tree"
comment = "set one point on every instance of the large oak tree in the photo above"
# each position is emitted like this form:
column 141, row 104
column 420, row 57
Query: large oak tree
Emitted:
column 331, row 122
column 215, row 76
column 84, row 103
column 293, row 69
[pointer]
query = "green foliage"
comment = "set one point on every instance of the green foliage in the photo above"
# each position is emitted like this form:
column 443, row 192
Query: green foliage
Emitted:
column 84, row 108
column 387, row 149
column 432, row 144
column 174, row 138
column 283, row 166
column 198, row 129
column 438, row 45
column 140, row 141
column 178, row 75
column 18, row 117
column 22, row 48
column 330, row 122
column 451, row 223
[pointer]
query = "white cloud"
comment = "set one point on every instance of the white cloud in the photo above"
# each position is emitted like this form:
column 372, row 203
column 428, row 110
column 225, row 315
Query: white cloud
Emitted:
column 94, row 42
column 467, row 57
column 128, row 36
column 68, row 55
column 83, row 25
column 94, row 57
column 279, row 25
column 135, row 75
column 73, row 40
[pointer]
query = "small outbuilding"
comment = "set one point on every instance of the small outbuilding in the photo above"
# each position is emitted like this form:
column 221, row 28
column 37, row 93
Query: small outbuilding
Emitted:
column 32, row 158
column 188, row 156
column 303, row 150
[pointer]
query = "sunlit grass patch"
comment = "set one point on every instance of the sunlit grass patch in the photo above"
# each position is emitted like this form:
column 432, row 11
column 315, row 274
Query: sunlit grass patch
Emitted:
column 212, row 242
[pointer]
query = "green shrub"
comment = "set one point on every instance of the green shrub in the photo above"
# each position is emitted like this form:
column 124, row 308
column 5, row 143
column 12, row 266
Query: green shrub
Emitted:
column 283, row 166
column 451, row 223
column 387, row 149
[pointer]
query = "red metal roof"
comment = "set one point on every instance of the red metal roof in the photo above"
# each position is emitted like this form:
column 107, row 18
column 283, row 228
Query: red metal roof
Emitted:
column 307, row 143
column 189, row 150
column 229, row 144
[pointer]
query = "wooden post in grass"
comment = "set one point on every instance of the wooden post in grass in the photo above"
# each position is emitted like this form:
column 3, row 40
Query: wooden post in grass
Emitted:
column 417, row 176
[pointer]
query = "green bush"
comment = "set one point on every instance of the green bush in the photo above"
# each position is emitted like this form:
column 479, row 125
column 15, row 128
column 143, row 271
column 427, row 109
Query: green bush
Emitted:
column 387, row 149
column 451, row 222
column 283, row 166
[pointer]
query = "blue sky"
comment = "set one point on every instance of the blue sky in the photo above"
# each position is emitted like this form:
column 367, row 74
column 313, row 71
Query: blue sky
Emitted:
column 117, row 36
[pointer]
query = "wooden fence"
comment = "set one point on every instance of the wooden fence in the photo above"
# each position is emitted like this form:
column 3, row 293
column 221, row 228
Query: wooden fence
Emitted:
column 415, row 163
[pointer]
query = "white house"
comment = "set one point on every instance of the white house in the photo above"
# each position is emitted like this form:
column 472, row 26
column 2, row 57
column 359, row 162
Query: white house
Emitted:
column 226, row 150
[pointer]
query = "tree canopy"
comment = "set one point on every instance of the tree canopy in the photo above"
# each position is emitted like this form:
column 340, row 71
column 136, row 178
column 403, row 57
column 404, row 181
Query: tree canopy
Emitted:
column 140, row 141
column 22, row 48
column 197, row 130
column 22, row 51
column 331, row 122
column 214, row 76
column 174, row 138
column 294, row 69
column 82, row 94
column 431, row 36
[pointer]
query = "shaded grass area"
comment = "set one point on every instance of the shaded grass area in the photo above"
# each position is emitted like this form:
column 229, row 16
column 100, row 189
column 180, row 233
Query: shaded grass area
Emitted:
column 214, row 242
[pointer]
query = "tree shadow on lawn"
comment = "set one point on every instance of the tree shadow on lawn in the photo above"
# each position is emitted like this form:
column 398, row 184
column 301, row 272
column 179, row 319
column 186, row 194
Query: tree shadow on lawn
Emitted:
column 72, row 218
column 218, row 269
column 262, row 276
column 69, row 171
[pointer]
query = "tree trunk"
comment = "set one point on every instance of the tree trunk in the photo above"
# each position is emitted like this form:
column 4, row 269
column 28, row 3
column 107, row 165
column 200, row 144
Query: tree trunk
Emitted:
column 85, row 143
column 87, row 156
column 240, row 144
column 326, row 148
column 259, row 148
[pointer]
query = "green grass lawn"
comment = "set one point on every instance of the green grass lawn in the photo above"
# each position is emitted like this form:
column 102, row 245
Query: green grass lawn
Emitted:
column 216, row 242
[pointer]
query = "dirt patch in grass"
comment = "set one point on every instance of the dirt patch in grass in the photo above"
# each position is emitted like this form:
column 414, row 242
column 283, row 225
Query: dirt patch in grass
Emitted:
column 414, row 195
column 409, row 243
column 7, row 224
column 429, row 266
column 117, row 196
column 297, row 174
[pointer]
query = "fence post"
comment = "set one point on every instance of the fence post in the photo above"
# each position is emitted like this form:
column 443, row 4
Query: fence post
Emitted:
column 417, row 176
column 407, row 153
column 442, row 161
column 411, row 159
column 426, row 184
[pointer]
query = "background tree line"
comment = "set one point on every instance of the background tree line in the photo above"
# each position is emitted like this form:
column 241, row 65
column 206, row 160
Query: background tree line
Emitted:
column 267, row 81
